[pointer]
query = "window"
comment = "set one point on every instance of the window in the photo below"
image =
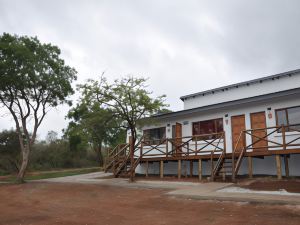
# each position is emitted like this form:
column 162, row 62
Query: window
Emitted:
column 154, row 136
column 208, row 127
column 289, row 117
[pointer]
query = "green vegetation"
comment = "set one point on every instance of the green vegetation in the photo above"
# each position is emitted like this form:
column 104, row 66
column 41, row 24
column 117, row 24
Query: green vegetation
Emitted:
column 33, row 79
column 51, row 174
column 53, row 153
column 128, row 99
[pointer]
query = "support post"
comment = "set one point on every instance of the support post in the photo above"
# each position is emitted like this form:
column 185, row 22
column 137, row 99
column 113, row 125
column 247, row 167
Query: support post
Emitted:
column 200, row 169
column 161, row 169
column 278, row 167
column 211, row 167
column 147, row 169
column 286, row 165
column 179, row 169
column 114, row 168
column 131, row 152
column 191, row 168
column 233, row 166
column 250, row 167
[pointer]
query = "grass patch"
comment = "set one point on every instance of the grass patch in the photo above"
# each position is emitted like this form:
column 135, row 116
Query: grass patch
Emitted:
column 52, row 174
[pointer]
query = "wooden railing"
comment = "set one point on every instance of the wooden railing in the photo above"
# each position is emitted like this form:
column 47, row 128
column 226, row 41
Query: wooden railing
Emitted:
column 167, row 147
column 275, row 138
column 119, row 152
column 219, row 162
column 183, row 146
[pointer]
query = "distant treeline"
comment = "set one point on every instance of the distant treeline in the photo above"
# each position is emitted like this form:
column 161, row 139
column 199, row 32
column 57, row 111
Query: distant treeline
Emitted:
column 52, row 153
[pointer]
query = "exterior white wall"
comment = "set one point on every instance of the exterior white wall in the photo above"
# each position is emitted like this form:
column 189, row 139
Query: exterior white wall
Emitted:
column 234, row 111
column 260, row 166
column 266, row 87
column 266, row 166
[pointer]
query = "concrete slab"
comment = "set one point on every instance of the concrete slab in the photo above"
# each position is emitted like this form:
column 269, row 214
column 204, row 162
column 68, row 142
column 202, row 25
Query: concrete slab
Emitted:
column 203, row 191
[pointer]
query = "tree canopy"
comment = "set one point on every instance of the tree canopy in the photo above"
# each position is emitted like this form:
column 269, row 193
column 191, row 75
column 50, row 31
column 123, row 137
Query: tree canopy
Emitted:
column 98, row 125
column 33, row 79
column 128, row 99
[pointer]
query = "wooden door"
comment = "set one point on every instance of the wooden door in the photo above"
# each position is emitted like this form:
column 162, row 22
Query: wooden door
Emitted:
column 237, row 126
column 178, row 137
column 258, row 120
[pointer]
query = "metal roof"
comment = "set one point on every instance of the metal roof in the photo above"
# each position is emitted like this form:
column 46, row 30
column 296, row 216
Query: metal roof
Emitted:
column 245, row 83
column 291, row 92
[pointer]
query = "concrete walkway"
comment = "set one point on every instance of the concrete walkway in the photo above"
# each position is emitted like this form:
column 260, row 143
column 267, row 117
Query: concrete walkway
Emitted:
column 204, row 191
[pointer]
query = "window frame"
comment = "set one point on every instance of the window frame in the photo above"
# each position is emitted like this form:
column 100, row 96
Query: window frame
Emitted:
column 149, row 142
column 208, row 136
column 287, row 129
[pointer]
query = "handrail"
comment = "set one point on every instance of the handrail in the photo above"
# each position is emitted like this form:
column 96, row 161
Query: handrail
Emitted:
column 221, row 157
column 197, row 144
column 122, row 165
column 114, row 158
column 270, row 142
column 187, row 144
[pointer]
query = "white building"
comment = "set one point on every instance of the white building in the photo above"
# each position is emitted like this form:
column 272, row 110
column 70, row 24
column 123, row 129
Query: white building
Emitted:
column 258, row 120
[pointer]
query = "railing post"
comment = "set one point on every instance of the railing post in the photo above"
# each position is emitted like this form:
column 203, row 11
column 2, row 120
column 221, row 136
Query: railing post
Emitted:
column 196, row 146
column 167, row 147
column 224, row 143
column 131, row 152
column 283, row 137
column 212, row 166
column 233, row 163
column 141, row 150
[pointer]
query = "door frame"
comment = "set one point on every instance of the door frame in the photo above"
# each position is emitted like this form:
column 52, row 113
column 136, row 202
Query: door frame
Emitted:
column 244, row 138
column 262, row 149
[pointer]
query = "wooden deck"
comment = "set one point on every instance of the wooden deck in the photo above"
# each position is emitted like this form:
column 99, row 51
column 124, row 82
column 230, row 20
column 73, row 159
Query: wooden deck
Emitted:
column 276, row 141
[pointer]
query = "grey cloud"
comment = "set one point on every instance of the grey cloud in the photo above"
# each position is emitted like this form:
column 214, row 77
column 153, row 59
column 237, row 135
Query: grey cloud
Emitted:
column 182, row 46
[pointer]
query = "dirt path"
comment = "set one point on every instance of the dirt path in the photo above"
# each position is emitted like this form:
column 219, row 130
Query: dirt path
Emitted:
column 274, row 185
column 72, row 204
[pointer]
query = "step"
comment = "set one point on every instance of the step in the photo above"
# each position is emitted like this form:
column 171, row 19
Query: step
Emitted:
column 225, row 170
column 226, row 166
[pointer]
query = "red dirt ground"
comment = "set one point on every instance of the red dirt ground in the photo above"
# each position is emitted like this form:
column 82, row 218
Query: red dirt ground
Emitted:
column 72, row 204
column 274, row 185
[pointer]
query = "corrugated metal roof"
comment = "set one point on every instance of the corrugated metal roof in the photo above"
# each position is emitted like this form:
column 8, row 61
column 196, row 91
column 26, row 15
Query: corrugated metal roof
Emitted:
column 291, row 92
column 245, row 83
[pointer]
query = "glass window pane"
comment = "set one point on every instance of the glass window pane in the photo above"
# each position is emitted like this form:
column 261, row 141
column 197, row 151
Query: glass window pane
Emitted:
column 219, row 125
column 207, row 127
column 294, row 118
column 281, row 117
column 154, row 136
column 294, row 115
column 196, row 128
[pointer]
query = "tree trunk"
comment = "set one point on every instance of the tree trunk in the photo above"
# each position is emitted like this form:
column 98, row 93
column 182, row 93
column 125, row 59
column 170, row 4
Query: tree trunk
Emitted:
column 100, row 157
column 25, row 160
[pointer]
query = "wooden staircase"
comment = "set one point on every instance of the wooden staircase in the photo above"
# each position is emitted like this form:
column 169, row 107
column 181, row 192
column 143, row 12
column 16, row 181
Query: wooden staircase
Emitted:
column 118, row 161
column 224, row 170
column 229, row 166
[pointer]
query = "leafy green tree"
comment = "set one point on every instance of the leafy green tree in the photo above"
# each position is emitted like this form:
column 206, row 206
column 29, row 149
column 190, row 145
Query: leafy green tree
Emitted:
column 128, row 99
column 33, row 79
column 9, row 151
column 98, row 125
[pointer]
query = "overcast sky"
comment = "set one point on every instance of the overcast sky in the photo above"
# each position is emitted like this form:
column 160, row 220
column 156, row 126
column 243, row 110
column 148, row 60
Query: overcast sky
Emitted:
column 182, row 46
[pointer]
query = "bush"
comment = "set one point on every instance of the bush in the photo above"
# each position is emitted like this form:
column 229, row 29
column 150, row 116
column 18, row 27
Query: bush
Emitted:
column 45, row 155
